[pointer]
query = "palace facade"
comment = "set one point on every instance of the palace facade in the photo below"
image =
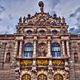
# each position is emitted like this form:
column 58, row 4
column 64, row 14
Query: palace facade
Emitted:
column 41, row 49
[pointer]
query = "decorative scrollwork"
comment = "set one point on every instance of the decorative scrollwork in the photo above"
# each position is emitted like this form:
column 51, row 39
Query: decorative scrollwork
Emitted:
column 58, row 62
column 26, row 62
column 42, row 62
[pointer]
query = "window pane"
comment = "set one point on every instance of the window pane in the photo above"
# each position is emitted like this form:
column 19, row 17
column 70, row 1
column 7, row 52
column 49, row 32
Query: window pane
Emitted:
column 55, row 50
column 28, row 50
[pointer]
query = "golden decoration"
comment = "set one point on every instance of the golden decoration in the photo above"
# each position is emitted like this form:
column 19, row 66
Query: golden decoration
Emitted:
column 26, row 62
column 42, row 62
column 58, row 62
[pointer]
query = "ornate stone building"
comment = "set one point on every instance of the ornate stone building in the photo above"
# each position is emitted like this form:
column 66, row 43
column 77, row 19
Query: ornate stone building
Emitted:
column 41, row 49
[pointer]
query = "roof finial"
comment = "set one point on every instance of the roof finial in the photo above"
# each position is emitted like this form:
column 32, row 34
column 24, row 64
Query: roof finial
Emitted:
column 41, row 5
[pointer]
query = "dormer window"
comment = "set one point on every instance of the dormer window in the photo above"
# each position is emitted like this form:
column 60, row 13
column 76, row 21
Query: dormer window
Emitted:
column 29, row 32
column 41, row 32
column 54, row 32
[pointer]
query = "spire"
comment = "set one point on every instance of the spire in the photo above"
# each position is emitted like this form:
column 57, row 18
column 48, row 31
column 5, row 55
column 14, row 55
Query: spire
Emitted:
column 63, row 19
column 41, row 5
column 20, row 20
column 54, row 15
column 24, row 19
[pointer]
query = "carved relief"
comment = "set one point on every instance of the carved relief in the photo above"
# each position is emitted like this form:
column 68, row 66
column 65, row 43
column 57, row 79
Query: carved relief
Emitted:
column 42, row 49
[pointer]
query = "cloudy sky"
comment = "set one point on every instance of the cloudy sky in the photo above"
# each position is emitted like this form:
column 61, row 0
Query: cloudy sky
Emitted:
column 11, row 10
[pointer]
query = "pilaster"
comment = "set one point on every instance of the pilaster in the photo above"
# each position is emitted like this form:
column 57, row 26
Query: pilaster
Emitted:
column 20, row 48
column 49, row 47
column 63, row 48
column 68, row 51
column 34, row 47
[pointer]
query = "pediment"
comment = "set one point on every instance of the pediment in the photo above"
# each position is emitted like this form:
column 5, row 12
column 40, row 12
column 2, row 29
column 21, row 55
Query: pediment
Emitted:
column 41, row 19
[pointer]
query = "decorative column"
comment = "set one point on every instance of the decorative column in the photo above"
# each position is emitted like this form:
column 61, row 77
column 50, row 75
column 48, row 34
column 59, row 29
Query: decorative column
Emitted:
column 50, row 70
column 18, row 51
column 50, row 65
column 34, row 65
column 16, row 48
column 66, row 65
column 20, row 48
column 14, row 62
column 15, row 54
column 34, row 55
column 63, row 48
column 34, row 47
column 68, row 51
column 49, row 47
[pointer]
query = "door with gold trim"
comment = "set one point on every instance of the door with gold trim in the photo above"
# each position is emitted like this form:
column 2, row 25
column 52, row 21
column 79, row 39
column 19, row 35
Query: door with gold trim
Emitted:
column 58, row 77
column 42, row 77
column 26, row 77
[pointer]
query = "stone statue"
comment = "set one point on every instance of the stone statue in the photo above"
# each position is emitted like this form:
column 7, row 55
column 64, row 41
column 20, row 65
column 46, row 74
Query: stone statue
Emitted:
column 41, row 5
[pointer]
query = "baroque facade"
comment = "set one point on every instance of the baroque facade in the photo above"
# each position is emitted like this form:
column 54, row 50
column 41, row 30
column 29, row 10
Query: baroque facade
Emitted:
column 41, row 49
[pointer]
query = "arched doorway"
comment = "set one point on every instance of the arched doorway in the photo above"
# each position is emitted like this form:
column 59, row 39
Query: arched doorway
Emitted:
column 42, row 77
column 26, row 77
column 58, row 77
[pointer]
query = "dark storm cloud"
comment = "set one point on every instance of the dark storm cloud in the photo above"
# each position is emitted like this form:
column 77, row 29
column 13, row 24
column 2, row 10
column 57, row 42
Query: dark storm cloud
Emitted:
column 76, row 15
column 77, row 10
column 53, row 3
column 72, row 15
column 0, row 19
column 74, row 30
column 11, row 10
column 71, row 29
column 10, row 16
column 78, row 18
column 2, row 9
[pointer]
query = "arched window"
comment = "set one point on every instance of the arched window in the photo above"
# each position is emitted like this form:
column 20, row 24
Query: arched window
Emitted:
column 29, row 32
column 42, row 77
column 26, row 77
column 55, row 50
column 28, row 50
column 75, row 57
column 58, row 77
column 41, row 32
column 8, row 57
column 54, row 32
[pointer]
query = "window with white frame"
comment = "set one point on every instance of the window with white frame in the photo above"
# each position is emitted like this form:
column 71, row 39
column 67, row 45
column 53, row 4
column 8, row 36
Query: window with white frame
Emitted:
column 55, row 50
column 28, row 50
